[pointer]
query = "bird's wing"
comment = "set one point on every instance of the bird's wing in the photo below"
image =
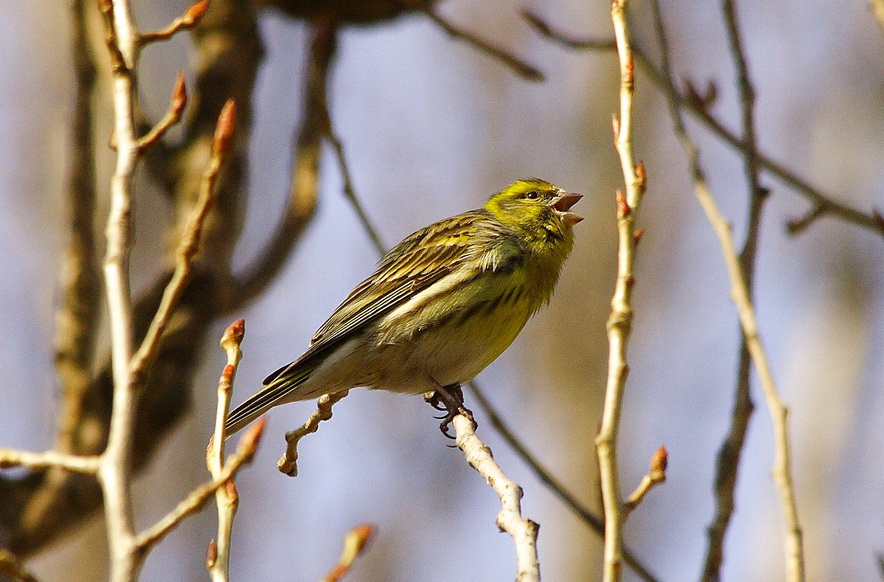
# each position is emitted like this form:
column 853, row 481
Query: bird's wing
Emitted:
column 416, row 263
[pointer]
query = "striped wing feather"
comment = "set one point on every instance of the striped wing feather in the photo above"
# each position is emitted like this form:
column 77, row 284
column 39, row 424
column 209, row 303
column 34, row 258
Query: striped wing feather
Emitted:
column 420, row 260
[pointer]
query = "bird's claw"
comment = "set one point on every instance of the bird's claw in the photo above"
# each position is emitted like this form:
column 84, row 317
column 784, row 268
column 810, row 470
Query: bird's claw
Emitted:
column 450, row 400
column 434, row 400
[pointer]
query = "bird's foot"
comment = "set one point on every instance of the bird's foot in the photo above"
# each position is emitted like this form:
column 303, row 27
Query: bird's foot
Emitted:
column 450, row 400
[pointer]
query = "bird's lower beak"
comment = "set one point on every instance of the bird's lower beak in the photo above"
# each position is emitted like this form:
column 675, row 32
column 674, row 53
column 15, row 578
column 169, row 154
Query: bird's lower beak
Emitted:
column 563, row 204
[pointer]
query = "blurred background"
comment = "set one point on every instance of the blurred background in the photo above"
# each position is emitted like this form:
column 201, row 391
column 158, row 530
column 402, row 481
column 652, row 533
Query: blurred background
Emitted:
column 432, row 127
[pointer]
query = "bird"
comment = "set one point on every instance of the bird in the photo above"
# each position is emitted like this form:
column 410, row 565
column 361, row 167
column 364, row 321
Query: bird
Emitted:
column 440, row 306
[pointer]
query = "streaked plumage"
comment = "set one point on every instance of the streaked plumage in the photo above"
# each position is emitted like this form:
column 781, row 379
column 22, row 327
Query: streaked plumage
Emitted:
column 441, row 305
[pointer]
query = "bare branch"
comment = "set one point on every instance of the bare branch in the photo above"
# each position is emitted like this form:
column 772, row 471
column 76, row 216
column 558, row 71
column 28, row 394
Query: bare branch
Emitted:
column 172, row 117
column 522, row 530
column 620, row 320
column 288, row 463
column 80, row 464
column 520, row 67
column 226, row 497
column 190, row 241
column 728, row 461
column 78, row 311
column 115, row 466
column 248, row 445
column 186, row 21
column 655, row 476
column 595, row 522
column 871, row 220
column 741, row 295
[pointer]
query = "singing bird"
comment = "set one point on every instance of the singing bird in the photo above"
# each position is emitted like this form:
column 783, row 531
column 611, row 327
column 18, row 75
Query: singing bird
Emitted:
column 441, row 305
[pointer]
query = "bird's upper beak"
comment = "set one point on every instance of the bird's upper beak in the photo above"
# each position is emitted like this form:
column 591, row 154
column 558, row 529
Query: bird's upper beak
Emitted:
column 563, row 204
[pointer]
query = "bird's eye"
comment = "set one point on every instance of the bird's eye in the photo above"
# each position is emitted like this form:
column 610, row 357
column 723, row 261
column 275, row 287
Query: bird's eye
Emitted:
column 532, row 195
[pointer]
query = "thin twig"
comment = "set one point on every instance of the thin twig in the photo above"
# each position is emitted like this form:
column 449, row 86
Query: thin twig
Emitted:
column 190, row 240
column 354, row 544
column 226, row 497
column 728, row 460
column 509, row 519
column 288, row 462
column 350, row 191
column 620, row 321
column 186, row 21
column 172, row 116
column 824, row 202
column 520, row 67
column 655, row 476
column 77, row 463
column 595, row 522
column 782, row 470
column 197, row 498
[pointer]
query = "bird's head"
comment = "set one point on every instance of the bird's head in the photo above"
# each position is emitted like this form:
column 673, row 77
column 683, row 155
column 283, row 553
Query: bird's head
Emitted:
column 537, row 208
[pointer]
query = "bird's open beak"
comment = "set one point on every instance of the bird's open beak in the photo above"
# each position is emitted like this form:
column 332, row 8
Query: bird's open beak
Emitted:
column 563, row 204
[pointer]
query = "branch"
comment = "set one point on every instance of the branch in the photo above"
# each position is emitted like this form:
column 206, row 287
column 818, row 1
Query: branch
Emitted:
column 520, row 67
column 288, row 463
column 728, row 461
column 43, row 506
column 741, row 296
column 173, row 115
column 248, row 445
column 824, row 202
column 186, row 21
column 79, row 464
column 595, row 522
column 655, row 476
column 225, row 497
column 620, row 321
column 509, row 519
column 189, row 245
column 114, row 468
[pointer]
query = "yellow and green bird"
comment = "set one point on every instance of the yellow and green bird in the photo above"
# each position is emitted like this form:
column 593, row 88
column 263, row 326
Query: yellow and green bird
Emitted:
column 441, row 305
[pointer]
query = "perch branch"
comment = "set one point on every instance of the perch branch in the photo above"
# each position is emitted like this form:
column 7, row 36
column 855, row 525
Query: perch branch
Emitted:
column 595, row 522
column 509, row 519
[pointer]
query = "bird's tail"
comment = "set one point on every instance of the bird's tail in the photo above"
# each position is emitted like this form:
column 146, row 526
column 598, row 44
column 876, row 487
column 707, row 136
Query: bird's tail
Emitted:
column 278, row 388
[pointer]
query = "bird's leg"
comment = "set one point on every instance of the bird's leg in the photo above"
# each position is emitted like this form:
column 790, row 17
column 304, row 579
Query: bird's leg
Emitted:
column 450, row 399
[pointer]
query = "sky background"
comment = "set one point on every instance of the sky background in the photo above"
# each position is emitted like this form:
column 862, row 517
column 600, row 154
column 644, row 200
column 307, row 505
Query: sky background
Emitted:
column 432, row 128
